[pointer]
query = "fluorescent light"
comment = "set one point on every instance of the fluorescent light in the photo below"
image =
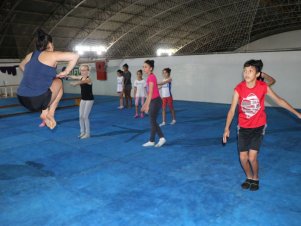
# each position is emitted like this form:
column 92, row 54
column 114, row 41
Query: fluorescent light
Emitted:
column 81, row 49
column 168, row 52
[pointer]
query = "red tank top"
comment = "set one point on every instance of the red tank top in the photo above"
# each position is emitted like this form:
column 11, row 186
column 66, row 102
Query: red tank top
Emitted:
column 251, row 113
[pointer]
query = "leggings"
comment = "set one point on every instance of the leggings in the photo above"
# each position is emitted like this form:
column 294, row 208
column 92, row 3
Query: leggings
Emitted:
column 84, row 112
column 154, row 108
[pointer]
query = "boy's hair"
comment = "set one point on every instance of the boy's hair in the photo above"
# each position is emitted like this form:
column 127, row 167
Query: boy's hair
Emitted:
column 151, row 63
column 255, row 63
column 120, row 71
column 168, row 70
column 140, row 71
column 126, row 66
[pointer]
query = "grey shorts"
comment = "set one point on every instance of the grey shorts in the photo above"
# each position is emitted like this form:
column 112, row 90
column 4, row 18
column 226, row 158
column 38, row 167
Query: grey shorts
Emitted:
column 250, row 138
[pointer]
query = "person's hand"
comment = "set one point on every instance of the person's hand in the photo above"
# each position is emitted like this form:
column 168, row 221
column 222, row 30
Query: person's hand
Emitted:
column 62, row 74
column 226, row 135
column 145, row 108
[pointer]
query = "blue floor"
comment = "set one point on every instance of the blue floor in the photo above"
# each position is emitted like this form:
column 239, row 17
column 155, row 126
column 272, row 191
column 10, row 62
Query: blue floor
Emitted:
column 53, row 178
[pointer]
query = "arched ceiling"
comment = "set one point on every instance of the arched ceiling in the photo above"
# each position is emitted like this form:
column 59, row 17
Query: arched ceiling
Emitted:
column 133, row 28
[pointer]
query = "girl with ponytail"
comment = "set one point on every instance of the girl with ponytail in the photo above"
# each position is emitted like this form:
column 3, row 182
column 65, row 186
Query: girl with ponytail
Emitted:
column 41, row 87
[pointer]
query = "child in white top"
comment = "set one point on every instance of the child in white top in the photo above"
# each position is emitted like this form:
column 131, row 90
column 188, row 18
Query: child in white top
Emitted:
column 139, row 92
column 167, row 99
column 120, row 87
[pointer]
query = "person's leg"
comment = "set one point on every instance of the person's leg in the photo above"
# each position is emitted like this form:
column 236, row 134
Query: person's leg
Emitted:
column 130, row 97
column 126, row 98
column 142, row 102
column 136, row 106
column 164, row 102
column 254, row 163
column 81, row 118
column 157, row 107
column 87, row 110
column 121, row 99
column 57, row 93
column 244, row 160
column 152, row 118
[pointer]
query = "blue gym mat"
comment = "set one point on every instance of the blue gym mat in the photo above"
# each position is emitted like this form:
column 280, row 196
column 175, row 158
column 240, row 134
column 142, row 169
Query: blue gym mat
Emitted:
column 53, row 178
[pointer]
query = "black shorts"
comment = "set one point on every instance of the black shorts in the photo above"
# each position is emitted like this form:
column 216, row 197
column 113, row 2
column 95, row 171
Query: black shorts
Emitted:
column 250, row 138
column 36, row 103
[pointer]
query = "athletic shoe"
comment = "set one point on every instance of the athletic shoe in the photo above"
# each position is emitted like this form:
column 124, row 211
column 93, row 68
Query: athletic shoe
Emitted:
column 162, row 124
column 173, row 122
column 136, row 116
column 149, row 144
column 254, row 185
column 162, row 141
column 120, row 107
column 141, row 115
column 81, row 135
column 246, row 184
column 85, row 136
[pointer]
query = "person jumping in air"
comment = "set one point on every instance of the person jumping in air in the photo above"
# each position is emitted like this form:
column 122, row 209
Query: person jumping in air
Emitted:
column 249, row 95
column 41, row 88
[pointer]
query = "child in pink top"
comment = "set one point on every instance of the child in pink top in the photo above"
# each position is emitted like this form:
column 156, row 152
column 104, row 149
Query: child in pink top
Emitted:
column 152, row 105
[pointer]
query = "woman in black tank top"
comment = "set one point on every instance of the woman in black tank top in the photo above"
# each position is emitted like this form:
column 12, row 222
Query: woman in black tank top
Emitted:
column 87, row 99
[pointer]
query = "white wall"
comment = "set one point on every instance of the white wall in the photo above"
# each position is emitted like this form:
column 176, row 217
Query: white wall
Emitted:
column 211, row 78
column 206, row 78
column 278, row 42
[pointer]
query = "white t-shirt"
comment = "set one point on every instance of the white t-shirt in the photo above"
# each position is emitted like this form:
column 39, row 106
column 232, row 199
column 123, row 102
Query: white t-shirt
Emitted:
column 166, row 89
column 120, row 84
column 140, row 85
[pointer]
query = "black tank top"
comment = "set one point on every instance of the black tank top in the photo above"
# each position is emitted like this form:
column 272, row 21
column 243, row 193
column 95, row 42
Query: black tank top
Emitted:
column 86, row 92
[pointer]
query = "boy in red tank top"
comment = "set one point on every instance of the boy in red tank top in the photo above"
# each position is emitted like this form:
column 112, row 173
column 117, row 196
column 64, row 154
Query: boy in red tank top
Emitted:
column 250, row 96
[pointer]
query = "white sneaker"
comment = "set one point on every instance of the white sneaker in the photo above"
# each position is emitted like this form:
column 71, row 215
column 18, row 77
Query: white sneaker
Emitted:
column 81, row 135
column 161, row 142
column 85, row 136
column 162, row 124
column 149, row 144
column 173, row 122
column 120, row 107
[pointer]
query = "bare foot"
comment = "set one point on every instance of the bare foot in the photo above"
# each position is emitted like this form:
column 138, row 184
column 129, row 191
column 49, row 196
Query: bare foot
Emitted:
column 43, row 124
column 50, row 121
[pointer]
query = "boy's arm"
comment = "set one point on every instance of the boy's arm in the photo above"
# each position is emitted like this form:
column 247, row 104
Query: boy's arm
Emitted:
column 281, row 102
column 230, row 116
column 270, row 79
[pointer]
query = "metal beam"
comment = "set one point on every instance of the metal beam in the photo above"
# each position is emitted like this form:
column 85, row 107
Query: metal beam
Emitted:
column 61, row 12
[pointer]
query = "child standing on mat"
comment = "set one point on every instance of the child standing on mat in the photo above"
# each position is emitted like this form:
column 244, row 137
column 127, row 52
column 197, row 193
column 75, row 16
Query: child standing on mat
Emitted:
column 87, row 99
column 120, row 87
column 152, row 105
column 127, row 86
column 139, row 92
column 167, row 97
column 250, row 96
